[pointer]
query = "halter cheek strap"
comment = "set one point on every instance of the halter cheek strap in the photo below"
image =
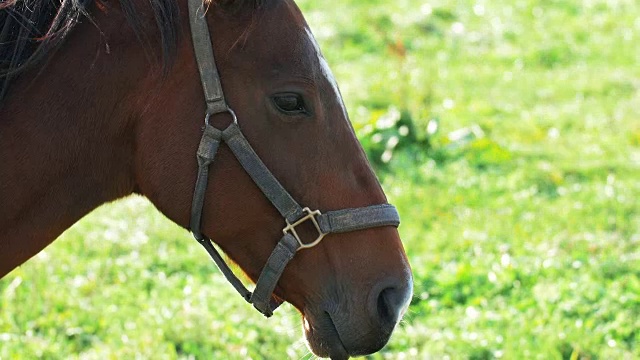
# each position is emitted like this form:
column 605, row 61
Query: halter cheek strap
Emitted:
column 331, row 222
column 213, row 94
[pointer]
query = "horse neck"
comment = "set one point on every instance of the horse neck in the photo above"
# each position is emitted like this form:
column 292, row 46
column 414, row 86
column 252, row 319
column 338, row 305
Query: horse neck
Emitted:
column 67, row 139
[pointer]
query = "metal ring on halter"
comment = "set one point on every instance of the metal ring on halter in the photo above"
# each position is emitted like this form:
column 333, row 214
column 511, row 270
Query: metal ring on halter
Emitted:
column 228, row 110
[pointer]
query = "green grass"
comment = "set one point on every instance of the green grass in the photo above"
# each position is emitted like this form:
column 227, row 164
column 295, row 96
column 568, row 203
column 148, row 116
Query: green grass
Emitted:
column 524, row 241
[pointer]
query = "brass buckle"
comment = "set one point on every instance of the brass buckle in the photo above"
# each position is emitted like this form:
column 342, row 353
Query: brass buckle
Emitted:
column 291, row 228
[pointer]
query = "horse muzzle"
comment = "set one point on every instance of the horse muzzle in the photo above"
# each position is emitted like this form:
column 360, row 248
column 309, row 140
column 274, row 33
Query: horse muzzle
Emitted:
column 346, row 328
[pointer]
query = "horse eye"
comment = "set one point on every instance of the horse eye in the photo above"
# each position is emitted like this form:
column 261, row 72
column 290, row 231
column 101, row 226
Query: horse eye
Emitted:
column 290, row 104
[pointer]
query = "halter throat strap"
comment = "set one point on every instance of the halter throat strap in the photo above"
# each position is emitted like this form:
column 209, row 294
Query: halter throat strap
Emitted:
column 294, row 215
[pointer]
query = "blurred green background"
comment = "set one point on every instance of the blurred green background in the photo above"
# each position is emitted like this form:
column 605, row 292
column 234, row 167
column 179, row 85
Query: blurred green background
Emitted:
column 507, row 133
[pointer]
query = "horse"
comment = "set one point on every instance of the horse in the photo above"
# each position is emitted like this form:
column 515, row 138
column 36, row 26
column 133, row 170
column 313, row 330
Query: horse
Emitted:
column 102, row 99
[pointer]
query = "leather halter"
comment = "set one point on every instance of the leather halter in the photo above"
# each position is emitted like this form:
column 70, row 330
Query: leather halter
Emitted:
column 294, row 215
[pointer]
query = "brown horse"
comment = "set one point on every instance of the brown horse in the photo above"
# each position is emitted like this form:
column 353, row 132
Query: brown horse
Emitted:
column 105, row 116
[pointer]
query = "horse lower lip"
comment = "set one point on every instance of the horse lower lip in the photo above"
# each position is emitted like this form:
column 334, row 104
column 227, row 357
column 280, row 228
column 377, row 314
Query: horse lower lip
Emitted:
column 325, row 336
column 343, row 353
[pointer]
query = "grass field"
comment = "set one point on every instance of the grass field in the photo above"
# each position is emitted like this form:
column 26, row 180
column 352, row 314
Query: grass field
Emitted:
column 508, row 135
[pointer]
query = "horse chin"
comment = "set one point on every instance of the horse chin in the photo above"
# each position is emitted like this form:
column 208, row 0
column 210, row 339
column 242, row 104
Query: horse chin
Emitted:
column 322, row 336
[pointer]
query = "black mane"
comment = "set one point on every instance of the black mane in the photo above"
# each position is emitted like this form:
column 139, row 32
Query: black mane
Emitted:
column 32, row 29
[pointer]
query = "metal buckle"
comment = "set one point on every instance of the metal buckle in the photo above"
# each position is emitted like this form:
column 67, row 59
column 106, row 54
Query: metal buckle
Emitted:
column 291, row 228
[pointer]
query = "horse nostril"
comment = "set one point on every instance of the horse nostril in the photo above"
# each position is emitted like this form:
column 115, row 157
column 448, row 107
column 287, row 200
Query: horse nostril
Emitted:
column 391, row 302
column 385, row 311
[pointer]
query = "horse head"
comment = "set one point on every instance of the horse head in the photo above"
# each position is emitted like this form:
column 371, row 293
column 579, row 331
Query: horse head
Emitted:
column 138, row 126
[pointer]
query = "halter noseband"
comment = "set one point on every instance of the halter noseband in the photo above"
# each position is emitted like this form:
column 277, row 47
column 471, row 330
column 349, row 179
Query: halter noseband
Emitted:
column 331, row 222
